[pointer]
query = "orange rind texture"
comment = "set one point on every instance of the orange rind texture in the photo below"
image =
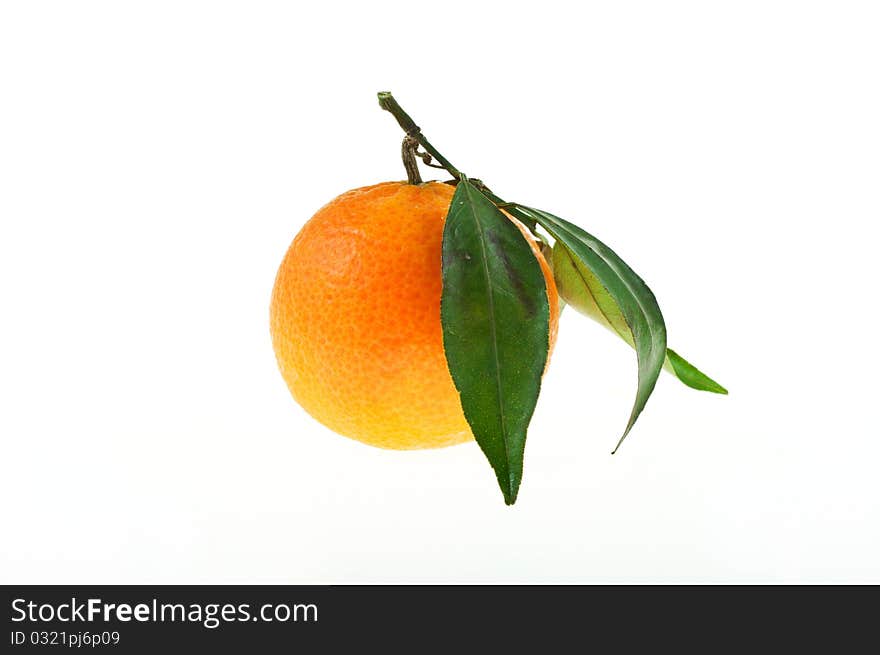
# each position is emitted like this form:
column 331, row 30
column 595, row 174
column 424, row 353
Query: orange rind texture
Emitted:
column 355, row 317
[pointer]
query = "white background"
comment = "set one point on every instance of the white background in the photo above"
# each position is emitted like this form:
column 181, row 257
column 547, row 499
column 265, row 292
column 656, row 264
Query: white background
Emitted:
column 157, row 158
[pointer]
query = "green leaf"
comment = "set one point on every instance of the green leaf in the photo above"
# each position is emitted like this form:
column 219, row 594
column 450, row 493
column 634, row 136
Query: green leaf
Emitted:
column 690, row 374
column 581, row 289
column 585, row 293
column 620, row 296
column 495, row 317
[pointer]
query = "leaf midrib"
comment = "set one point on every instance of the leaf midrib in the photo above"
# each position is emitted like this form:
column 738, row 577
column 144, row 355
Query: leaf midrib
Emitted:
column 494, row 333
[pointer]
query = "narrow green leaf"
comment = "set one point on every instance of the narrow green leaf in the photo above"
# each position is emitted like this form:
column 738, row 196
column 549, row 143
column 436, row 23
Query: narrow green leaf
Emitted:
column 690, row 374
column 494, row 313
column 613, row 284
column 585, row 293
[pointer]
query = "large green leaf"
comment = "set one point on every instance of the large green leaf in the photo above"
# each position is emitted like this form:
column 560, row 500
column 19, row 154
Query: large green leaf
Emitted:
column 580, row 289
column 615, row 285
column 494, row 312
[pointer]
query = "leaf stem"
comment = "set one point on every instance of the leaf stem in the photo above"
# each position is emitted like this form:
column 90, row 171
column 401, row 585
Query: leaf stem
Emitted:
column 413, row 131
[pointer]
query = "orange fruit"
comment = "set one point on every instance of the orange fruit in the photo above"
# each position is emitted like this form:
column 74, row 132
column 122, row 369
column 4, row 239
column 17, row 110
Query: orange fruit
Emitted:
column 355, row 317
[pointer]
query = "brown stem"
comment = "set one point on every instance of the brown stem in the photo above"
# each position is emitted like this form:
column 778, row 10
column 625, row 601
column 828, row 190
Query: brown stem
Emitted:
column 408, row 153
